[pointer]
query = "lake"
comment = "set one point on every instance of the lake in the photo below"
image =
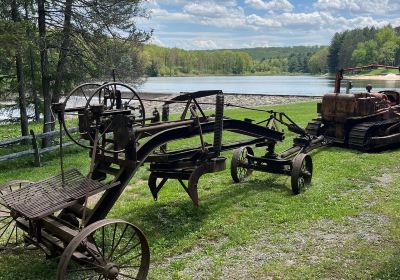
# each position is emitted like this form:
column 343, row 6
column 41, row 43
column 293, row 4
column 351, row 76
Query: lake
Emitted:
column 269, row 85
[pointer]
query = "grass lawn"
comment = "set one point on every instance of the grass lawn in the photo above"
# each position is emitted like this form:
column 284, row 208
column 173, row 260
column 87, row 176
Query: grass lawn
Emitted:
column 345, row 226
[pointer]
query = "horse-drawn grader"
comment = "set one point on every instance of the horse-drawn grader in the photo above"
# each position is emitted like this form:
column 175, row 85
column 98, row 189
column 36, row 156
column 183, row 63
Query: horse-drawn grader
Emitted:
column 65, row 215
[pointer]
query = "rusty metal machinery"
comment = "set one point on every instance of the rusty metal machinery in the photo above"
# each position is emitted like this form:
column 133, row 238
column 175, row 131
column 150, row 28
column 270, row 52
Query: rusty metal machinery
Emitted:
column 363, row 121
column 65, row 215
column 188, row 165
column 294, row 162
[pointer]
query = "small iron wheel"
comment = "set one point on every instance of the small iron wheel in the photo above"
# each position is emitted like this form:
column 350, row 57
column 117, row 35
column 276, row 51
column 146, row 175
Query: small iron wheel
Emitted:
column 11, row 237
column 301, row 174
column 107, row 249
column 239, row 164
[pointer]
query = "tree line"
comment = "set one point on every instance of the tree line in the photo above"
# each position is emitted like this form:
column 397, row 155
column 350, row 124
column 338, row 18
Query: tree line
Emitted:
column 173, row 61
column 364, row 46
column 46, row 46
column 161, row 61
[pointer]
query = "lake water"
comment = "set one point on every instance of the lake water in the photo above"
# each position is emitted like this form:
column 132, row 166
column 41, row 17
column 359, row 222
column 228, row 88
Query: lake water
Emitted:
column 9, row 110
column 269, row 85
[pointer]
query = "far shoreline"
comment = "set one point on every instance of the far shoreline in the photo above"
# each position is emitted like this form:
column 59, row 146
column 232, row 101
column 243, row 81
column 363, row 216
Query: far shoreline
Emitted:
column 388, row 77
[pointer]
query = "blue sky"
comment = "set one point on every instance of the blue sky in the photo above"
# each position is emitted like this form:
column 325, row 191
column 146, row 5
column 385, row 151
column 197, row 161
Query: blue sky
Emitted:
column 214, row 24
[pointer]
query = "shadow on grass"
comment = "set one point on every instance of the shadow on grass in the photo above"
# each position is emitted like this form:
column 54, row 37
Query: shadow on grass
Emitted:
column 166, row 223
column 391, row 269
column 23, row 264
column 171, row 220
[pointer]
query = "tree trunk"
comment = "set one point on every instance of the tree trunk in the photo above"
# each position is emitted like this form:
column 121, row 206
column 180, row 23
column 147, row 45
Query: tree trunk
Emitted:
column 32, row 67
column 20, row 76
column 44, row 64
column 34, row 92
column 21, row 94
column 64, row 49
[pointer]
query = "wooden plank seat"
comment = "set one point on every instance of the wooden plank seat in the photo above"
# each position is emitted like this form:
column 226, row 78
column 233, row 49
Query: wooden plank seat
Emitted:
column 45, row 197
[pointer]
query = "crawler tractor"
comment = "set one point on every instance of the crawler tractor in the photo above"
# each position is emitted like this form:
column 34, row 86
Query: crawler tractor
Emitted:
column 363, row 121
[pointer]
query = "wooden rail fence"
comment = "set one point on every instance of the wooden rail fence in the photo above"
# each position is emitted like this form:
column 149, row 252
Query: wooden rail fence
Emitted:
column 36, row 151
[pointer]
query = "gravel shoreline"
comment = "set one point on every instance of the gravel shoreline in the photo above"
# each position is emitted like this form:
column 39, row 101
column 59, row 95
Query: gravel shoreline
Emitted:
column 248, row 100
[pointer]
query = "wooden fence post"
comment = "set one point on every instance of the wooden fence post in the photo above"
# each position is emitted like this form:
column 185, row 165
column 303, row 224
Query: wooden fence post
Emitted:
column 36, row 150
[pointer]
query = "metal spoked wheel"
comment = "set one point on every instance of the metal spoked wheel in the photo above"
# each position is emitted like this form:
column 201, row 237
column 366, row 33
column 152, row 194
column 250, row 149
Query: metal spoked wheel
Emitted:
column 11, row 237
column 107, row 249
column 301, row 175
column 75, row 107
column 110, row 96
column 240, row 162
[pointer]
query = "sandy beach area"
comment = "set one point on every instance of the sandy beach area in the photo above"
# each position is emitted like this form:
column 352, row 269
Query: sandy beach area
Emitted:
column 388, row 77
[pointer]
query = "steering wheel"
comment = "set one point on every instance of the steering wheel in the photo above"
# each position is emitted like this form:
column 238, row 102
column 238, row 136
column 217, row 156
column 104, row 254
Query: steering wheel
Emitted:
column 97, row 107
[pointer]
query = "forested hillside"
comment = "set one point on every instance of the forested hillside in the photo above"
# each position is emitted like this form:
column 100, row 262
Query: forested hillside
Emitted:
column 173, row 61
column 364, row 46
column 274, row 52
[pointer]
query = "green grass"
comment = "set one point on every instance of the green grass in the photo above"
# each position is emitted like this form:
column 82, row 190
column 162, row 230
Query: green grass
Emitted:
column 345, row 226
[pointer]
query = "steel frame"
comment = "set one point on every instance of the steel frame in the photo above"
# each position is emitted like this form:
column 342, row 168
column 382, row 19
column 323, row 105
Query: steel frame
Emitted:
column 136, row 142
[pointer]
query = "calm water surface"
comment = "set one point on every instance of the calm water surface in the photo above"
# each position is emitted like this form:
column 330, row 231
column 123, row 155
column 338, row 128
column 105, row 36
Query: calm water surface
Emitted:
column 269, row 85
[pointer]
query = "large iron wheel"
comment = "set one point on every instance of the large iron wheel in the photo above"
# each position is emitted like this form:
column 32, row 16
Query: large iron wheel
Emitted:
column 113, row 96
column 75, row 106
column 301, row 175
column 240, row 162
column 11, row 237
column 107, row 249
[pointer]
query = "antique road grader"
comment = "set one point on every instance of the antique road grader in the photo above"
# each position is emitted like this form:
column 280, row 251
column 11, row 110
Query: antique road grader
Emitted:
column 64, row 215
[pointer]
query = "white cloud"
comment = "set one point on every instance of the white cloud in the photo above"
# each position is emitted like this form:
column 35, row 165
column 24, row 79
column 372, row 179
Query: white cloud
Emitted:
column 215, row 24
column 156, row 41
column 209, row 13
column 273, row 5
column 205, row 44
column 323, row 20
column 314, row 18
column 181, row 3
column 224, row 17
column 254, row 19
column 363, row 6
column 255, row 44
column 164, row 15
column 210, row 9
column 363, row 21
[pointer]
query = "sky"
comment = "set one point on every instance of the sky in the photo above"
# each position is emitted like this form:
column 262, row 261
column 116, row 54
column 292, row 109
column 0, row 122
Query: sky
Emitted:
column 216, row 24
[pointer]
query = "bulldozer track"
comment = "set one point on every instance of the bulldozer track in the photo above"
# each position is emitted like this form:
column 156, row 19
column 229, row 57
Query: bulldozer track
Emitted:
column 361, row 133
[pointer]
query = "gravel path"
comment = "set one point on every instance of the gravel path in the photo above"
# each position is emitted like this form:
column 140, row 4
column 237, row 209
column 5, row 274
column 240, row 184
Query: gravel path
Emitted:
column 249, row 100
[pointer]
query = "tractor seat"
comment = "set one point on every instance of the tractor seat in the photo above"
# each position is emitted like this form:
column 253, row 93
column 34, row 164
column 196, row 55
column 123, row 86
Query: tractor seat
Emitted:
column 45, row 197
